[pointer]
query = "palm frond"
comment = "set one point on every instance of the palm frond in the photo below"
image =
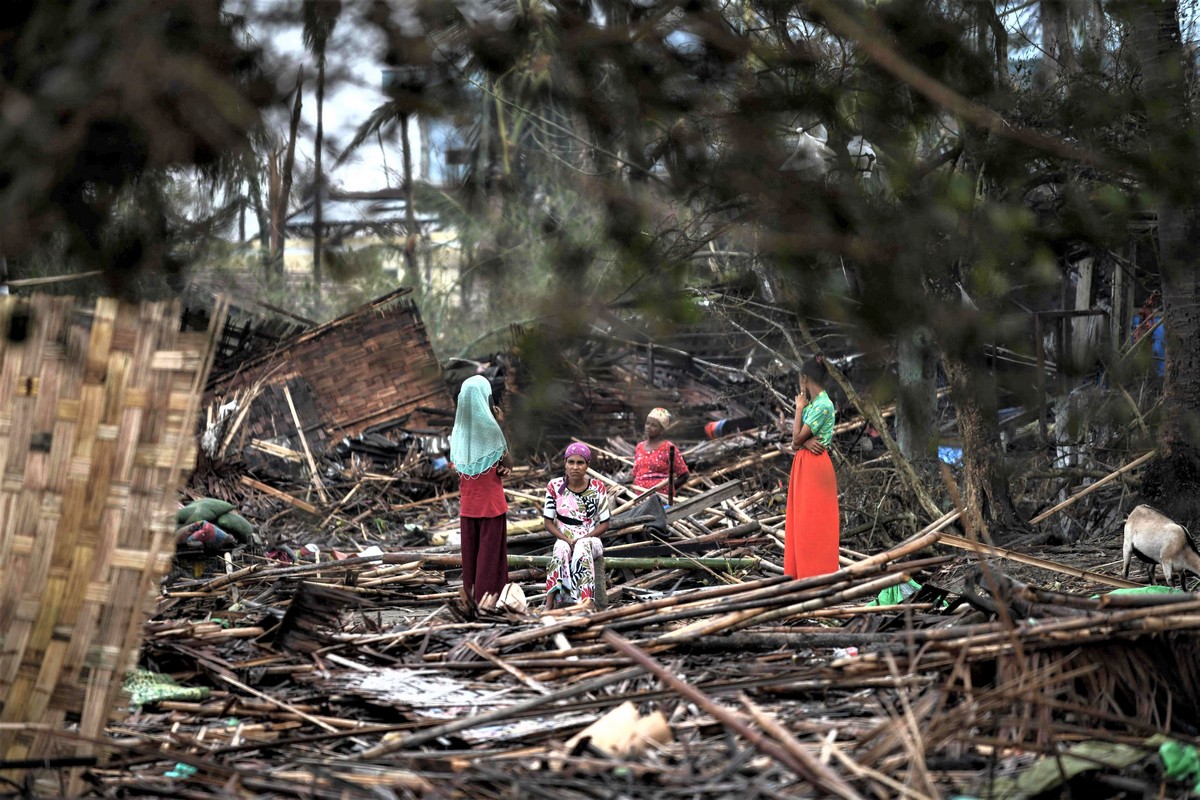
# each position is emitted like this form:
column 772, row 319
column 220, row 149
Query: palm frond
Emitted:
column 320, row 18
column 385, row 115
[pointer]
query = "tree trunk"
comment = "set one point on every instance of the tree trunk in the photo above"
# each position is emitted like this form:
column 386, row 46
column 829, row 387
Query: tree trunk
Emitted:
column 1056, row 41
column 987, row 502
column 319, row 187
column 917, row 398
column 1173, row 480
column 262, row 215
column 275, row 205
column 281, row 183
column 412, row 272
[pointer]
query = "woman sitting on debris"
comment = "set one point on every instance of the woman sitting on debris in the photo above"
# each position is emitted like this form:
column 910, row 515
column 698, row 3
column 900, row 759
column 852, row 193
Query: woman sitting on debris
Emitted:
column 811, row 526
column 479, row 453
column 655, row 460
column 576, row 515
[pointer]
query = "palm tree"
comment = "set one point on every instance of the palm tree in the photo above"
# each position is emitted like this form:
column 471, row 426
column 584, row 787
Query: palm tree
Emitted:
column 320, row 18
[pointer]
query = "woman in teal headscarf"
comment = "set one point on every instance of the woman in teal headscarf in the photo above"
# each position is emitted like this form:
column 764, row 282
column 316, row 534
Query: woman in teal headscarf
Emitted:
column 479, row 453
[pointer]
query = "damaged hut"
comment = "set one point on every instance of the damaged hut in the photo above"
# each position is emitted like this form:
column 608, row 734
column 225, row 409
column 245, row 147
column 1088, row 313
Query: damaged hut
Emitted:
column 361, row 382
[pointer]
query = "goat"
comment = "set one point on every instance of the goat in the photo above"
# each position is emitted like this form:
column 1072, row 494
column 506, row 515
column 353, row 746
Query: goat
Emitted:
column 1155, row 539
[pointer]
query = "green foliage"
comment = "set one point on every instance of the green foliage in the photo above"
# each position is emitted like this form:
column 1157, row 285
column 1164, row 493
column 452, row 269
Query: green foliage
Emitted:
column 619, row 154
column 108, row 99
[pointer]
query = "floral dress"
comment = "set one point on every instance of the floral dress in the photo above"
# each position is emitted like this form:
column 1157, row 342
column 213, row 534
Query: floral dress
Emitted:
column 572, row 569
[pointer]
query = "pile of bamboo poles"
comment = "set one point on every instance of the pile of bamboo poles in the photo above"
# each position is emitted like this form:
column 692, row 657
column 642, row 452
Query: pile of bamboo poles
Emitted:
column 363, row 674
column 936, row 686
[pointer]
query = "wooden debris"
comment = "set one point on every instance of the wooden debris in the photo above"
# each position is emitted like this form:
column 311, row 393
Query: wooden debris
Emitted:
column 339, row 660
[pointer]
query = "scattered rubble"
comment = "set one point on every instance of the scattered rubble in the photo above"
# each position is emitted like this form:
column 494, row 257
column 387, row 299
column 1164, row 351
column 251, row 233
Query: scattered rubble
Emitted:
column 335, row 660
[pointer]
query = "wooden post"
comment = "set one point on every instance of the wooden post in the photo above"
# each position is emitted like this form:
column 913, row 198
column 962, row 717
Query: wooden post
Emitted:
column 312, row 465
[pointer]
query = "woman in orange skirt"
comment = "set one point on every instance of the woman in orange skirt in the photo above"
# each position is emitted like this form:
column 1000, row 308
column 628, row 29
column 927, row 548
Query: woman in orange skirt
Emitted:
column 812, row 527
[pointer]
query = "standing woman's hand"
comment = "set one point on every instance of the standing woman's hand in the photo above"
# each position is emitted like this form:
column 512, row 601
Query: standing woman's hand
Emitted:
column 802, row 398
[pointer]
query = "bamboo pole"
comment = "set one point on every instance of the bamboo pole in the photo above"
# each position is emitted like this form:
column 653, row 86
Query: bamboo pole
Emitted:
column 638, row 498
column 1085, row 491
column 537, row 634
column 274, row 701
column 741, row 619
column 312, row 465
column 627, row 562
column 869, row 566
column 278, row 495
column 830, row 780
column 815, row 774
column 1033, row 561
column 760, row 600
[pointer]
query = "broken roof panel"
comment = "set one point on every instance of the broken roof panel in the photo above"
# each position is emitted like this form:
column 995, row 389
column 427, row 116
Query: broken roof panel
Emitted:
column 368, row 370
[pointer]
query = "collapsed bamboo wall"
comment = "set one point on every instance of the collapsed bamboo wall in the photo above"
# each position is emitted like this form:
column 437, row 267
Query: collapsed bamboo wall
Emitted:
column 373, row 367
column 97, row 414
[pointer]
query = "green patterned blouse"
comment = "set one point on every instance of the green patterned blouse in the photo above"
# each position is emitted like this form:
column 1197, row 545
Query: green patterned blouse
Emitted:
column 818, row 416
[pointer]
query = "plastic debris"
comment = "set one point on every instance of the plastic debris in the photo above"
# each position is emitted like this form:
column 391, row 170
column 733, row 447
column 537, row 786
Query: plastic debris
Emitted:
column 1181, row 761
column 894, row 595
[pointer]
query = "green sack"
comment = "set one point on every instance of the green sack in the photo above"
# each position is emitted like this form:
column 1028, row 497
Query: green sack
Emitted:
column 206, row 509
column 236, row 524
column 145, row 686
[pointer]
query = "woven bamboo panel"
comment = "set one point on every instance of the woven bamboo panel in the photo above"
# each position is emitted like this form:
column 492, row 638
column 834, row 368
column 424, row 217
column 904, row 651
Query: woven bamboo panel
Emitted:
column 97, row 416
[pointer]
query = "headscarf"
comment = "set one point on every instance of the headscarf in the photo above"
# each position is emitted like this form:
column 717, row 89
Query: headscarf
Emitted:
column 578, row 449
column 661, row 416
column 476, row 441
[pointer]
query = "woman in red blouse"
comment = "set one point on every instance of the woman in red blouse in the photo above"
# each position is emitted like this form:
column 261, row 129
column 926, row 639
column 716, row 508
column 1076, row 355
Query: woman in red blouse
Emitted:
column 479, row 454
column 652, row 458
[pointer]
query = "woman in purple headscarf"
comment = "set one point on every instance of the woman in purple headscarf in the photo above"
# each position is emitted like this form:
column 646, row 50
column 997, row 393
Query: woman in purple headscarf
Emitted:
column 576, row 515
